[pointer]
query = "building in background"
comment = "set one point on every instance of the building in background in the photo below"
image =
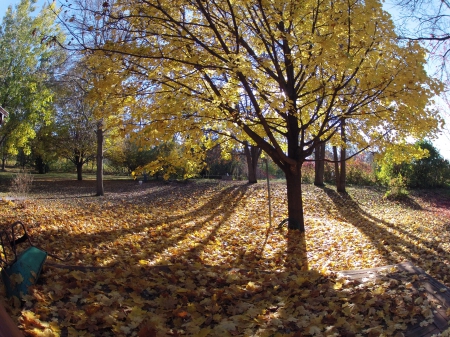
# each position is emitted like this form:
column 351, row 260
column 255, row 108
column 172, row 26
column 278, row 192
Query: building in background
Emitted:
column 3, row 115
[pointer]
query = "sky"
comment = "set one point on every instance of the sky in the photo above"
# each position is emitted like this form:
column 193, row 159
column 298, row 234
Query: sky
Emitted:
column 442, row 143
column 4, row 4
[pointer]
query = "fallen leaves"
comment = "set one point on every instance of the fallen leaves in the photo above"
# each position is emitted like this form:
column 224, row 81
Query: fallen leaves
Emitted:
column 199, row 259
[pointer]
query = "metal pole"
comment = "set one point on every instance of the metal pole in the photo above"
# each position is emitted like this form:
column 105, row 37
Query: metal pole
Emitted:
column 268, row 191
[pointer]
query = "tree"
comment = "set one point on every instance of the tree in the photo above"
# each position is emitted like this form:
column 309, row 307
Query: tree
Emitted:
column 430, row 171
column 27, row 65
column 75, row 136
column 340, row 170
column 106, row 94
column 106, row 97
column 319, row 164
column 252, row 154
column 74, row 127
column 128, row 154
column 427, row 170
column 44, row 148
column 305, row 67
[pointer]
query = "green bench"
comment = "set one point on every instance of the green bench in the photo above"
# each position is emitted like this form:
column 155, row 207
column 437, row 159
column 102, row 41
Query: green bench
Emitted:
column 20, row 267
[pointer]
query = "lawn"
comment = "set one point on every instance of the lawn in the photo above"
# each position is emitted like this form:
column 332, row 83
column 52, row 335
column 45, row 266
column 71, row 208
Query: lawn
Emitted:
column 201, row 259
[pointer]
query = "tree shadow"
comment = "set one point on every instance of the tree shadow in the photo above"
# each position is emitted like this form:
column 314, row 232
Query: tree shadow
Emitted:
column 296, row 258
column 187, row 297
column 72, row 189
column 159, row 236
column 381, row 232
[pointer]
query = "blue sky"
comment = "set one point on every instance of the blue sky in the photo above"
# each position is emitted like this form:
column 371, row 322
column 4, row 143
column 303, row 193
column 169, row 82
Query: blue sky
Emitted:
column 4, row 4
column 443, row 143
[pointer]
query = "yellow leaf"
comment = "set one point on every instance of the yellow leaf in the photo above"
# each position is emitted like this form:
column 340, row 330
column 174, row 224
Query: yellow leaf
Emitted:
column 16, row 279
column 337, row 285
column 204, row 332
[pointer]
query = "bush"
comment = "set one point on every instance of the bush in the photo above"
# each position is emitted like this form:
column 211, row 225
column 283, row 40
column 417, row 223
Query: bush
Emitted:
column 21, row 183
column 360, row 173
column 308, row 172
column 397, row 189
column 431, row 171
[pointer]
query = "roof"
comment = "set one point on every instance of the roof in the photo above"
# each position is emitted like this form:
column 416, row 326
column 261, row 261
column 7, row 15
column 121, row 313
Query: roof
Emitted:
column 4, row 112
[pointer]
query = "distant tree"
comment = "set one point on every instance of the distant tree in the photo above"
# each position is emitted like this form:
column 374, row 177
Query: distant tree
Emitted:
column 75, row 136
column 168, row 160
column 129, row 154
column 431, row 170
column 252, row 154
column 319, row 164
column 27, row 66
column 218, row 163
column 44, row 148
column 74, row 124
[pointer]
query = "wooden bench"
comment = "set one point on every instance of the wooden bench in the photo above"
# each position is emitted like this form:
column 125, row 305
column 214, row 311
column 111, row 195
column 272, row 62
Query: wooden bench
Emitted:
column 435, row 292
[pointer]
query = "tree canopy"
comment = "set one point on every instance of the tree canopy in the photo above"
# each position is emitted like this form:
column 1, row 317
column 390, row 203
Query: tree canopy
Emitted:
column 27, row 66
column 285, row 75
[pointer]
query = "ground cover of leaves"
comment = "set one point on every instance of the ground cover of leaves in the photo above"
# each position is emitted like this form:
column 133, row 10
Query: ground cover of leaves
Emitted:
column 201, row 259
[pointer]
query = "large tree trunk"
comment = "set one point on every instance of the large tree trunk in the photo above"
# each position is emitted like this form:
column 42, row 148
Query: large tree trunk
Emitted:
column 252, row 154
column 319, row 164
column 294, row 198
column 100, row 136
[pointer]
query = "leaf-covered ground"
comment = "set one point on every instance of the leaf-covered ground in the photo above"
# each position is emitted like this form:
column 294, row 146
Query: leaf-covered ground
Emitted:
column 201, row 259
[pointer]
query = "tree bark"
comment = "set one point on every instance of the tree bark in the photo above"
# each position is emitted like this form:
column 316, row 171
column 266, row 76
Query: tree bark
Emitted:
column 340, row 186
column 79, row 170
column 252, row 154
column 3, row 155
column 294, row 198
column 336, row 165
column 100, row 136
column 319, row 164
column 40, row 165
column 339, row 164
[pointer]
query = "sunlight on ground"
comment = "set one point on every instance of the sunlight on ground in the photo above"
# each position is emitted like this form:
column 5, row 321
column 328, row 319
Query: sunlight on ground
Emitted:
column 225, row 225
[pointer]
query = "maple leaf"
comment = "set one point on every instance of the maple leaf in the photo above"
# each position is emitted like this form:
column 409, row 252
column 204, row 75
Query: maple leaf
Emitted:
column 267, row 294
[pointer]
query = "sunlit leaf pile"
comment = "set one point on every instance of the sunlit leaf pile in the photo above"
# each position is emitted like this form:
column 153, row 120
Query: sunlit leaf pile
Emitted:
column 203, row 259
